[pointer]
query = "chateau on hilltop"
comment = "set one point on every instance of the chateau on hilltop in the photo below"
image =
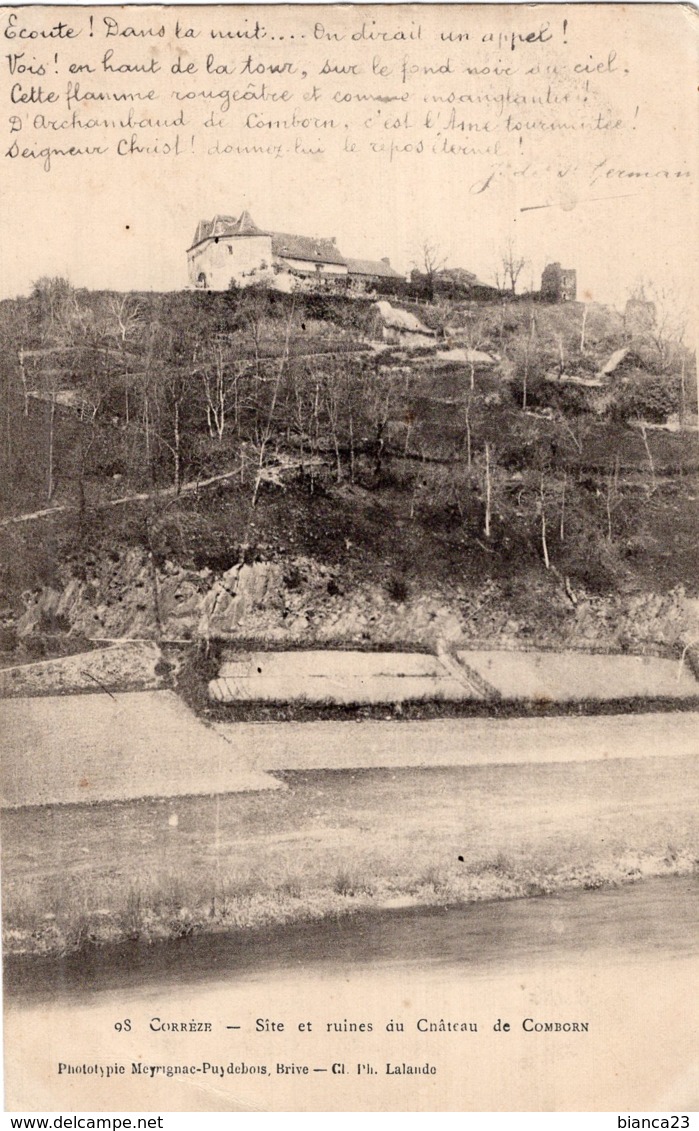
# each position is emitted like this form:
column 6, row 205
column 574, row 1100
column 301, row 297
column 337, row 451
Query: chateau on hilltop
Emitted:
column 229, row 250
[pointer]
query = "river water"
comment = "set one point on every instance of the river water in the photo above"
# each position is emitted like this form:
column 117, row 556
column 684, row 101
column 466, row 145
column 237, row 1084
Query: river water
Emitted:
column 659, row 916
column 621, row 964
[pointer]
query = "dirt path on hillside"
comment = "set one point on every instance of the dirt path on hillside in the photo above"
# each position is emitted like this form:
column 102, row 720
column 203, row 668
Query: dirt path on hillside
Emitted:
column 161, row 493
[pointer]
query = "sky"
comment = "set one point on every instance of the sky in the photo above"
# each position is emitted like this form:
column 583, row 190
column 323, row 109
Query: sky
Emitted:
column 125, row 222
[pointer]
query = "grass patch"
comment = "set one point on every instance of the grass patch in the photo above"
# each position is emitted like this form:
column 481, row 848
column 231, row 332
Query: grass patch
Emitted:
column 334, row 843
column 303, row 711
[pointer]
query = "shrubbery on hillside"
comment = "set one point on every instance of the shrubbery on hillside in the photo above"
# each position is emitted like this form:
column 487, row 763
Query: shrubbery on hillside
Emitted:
column 647, row 396
column 106, row 395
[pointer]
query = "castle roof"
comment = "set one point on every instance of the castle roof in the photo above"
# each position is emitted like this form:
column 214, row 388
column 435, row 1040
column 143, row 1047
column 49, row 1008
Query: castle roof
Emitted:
column 287, row 246
column 284, row 244
column 244, row 225
column 378, row 268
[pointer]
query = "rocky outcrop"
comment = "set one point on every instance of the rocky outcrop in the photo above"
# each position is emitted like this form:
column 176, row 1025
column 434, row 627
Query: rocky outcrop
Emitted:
column 303, row 601
column 239, row 598
column 402, row 327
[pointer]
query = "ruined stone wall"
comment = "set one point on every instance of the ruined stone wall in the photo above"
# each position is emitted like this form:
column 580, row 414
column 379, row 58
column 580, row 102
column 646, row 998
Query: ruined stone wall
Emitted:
column 558, row 284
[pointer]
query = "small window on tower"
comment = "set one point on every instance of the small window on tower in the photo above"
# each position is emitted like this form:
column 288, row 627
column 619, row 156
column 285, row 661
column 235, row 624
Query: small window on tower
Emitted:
column 230, row 249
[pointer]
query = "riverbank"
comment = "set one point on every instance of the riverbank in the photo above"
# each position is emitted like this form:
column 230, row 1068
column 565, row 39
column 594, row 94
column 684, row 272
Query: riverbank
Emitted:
column 618, row 961
column 331, row 843
column 633, row 918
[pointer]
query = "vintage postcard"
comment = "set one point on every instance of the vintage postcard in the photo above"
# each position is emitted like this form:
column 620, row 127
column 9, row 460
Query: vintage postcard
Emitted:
column 348, row 551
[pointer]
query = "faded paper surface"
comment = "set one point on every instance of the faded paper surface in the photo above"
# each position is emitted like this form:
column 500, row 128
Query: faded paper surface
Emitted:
column 566, row 132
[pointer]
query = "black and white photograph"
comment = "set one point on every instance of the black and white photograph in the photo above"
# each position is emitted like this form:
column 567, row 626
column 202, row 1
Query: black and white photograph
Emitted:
column 349, row 559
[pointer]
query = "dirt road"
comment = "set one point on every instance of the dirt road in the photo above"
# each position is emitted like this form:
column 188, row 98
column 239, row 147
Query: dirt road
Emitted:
column 148, row 744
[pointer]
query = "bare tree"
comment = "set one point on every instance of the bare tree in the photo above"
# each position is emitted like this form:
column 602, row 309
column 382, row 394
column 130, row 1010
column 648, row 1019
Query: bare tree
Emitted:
column 488, row 493
column 125, row 315
column 612, row 498
column 213, row 377
column 667, row 318
column 670, row 326
column 54, row 299
column 475, row 336
column 583, row 327
column 254, row 311
column 265, row 436
column 51, row 480
column 429, row 263
column 23, row 379
column 512, row 266
column 542, row 515
column 333, row 397
column 649, row 455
